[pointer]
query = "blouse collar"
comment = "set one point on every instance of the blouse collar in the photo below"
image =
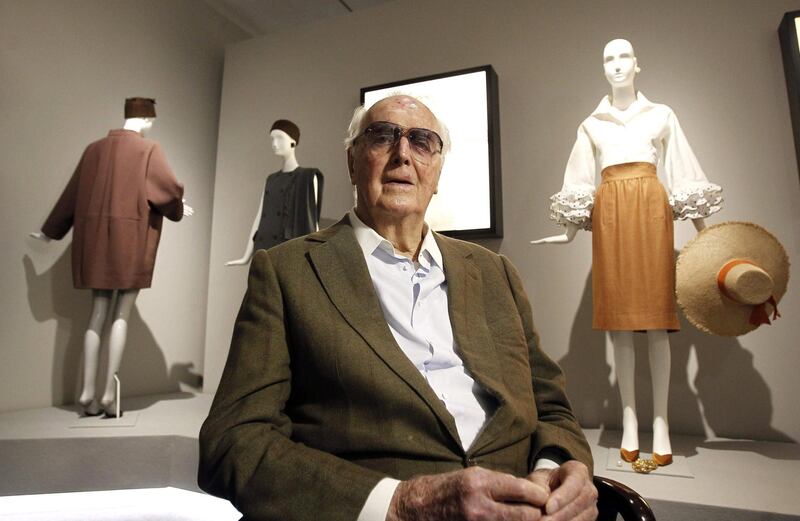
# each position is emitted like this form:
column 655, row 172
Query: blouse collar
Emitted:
column 605, row 110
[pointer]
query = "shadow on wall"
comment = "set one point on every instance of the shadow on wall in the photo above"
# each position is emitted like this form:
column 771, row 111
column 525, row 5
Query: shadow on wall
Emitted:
column 51, row 296
column 707, row 371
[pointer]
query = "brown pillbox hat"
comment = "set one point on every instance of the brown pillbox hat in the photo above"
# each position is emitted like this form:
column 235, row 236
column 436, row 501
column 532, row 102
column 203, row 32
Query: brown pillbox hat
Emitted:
column 140, row 108
column 287, row 126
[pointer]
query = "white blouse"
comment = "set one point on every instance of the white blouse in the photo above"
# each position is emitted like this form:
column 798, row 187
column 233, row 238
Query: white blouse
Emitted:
column 644, row 132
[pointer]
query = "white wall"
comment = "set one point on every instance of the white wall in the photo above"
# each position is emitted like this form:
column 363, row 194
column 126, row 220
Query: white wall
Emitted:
column 716, row 63
column 67, row 68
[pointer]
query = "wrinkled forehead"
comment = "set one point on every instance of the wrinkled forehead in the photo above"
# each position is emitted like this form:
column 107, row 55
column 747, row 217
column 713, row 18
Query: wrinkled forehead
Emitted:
column 618, row 47
column 403, row 110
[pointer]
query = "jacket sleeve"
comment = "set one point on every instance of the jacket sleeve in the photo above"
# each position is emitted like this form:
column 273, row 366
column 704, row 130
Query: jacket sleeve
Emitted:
column 246, row 452
column 164, row 192
column 557, row 430
column 62, row 216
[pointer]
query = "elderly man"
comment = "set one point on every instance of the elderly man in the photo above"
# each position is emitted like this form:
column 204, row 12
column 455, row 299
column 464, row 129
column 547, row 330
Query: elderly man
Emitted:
column 379, row 370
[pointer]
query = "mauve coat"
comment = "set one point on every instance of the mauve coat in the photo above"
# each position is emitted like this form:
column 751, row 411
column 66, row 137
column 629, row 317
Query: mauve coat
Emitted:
column 116, row 200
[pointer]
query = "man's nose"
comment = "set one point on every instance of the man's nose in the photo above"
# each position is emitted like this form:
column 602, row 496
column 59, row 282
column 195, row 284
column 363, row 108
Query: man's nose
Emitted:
column 401, row 153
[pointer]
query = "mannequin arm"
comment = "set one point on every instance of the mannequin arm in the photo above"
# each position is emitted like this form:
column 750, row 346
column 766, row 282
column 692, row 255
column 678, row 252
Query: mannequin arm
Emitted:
column 250, row 248
column 248, row 254
column 699, row 224
column 316, row 195
column 40, row 236
column 570, row 229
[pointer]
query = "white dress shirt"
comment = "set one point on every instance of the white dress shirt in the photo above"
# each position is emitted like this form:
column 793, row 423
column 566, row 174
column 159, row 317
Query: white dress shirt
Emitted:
column 644, row 132
column 413, row 297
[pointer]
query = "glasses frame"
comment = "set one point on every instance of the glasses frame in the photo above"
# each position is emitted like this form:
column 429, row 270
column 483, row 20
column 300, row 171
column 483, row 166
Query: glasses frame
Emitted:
column 400, row 132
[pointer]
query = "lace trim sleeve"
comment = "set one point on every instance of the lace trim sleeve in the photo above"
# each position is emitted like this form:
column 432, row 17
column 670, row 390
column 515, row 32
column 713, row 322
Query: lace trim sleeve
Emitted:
column 696, row 202
column 572, row 206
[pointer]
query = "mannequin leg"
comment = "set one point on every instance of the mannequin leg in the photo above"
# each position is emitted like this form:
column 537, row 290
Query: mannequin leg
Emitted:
column 91, row 351
column 116, row 345
column 625, row 367
column 660, row 361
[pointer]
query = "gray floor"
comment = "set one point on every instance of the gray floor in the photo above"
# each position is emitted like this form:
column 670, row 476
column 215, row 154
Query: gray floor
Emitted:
column 155, row 445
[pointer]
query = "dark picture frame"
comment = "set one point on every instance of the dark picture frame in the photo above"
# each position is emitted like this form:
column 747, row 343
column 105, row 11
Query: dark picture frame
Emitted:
column 469, row 204
column 788, row 34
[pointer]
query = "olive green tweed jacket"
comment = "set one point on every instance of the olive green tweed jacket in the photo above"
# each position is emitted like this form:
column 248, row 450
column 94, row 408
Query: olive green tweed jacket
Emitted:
column 317, row 402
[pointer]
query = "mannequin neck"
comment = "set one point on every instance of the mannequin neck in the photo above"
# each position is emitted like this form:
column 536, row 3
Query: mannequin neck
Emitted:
column 623, row 96
column 137, row 125
column 289, row 162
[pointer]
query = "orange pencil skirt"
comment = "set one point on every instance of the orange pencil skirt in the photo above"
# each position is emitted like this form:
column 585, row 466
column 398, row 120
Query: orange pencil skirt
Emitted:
column 633, row 260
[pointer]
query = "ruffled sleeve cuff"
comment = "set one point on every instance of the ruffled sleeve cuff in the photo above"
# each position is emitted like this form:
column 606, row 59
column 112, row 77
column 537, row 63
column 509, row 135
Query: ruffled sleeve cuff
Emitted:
column 572, row 206
column 696, row 202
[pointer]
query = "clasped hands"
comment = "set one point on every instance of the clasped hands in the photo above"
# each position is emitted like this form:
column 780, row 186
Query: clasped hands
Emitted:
column 565, row 493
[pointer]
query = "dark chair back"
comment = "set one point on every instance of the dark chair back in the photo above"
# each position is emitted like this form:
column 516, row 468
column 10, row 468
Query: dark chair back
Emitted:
column 614, row 499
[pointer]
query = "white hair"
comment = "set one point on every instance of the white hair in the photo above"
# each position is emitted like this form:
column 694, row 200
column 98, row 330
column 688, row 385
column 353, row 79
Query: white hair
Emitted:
column 358, row 124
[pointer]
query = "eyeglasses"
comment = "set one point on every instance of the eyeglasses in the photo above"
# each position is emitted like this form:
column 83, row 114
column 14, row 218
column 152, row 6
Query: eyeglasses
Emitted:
column 382, row 136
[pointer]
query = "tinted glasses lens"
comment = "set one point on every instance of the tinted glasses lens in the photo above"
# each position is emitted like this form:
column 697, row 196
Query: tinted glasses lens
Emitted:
column 382, row 134
column 424, row 140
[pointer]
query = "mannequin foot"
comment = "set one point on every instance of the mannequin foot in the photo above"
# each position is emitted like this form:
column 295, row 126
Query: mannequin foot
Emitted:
column 629, row 448
column 110, row 407
column 90, row 407
column 662, row 449
column 629, row 456
column 662, row 460
column 661, row 443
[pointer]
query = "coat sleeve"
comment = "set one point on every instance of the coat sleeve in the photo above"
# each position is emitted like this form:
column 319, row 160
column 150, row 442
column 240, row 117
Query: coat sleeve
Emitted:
column 62, row 216
column 164, row 192
column 246, row 451
column 557, row 430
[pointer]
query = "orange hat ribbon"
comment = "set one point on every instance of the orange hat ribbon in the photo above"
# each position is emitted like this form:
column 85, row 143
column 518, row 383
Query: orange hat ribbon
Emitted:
column 759, row 315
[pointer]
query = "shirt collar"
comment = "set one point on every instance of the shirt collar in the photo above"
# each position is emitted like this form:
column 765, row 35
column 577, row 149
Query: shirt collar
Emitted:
column 637, row 107
column 369, row 240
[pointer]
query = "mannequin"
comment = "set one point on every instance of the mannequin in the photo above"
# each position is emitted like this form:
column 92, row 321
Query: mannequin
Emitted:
column 284, row 136
column 141, row 112
column 630, row 136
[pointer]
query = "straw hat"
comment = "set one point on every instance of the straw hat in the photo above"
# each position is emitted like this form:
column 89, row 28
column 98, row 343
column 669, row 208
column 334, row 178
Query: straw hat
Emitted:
column 730, row 278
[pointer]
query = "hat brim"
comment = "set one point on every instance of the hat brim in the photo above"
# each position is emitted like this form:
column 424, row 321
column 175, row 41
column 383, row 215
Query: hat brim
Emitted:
column 699, row 262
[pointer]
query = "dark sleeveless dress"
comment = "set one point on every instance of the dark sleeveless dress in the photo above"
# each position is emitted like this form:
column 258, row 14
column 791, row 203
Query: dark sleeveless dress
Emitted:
column 290, row 208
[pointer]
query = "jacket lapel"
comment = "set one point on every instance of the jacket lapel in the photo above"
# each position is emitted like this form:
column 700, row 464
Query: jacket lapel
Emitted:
column 473, row 339
column 339, row 263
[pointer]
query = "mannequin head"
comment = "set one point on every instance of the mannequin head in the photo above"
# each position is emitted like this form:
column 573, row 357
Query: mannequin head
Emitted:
column 139, row 114
column 284, row 136
column 140, row 125
column 619, row 63
column 282, row 143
